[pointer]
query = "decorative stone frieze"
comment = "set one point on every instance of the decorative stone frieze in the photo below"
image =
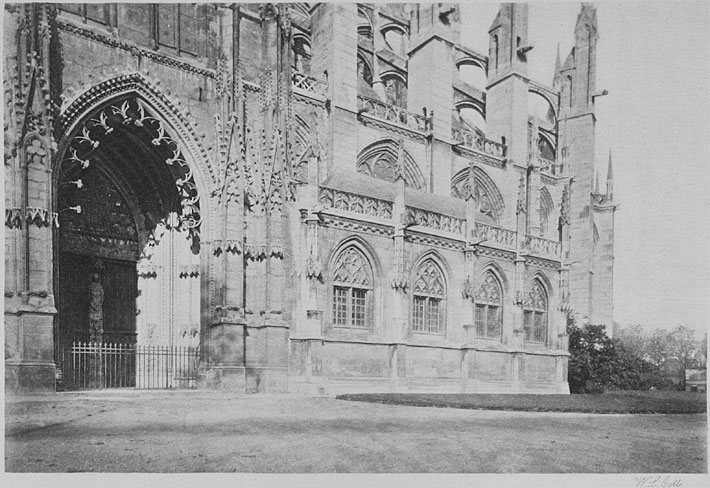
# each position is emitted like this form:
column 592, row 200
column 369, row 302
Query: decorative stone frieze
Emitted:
column 493, row 236
column 433, row 220
column 359, row 204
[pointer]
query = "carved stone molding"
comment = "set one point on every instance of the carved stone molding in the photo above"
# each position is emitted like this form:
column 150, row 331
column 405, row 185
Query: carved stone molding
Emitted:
column 435, row 241
column 84, row 102
column 433, row 220
column 359, row 227
column 351, row 202
column 132, row 112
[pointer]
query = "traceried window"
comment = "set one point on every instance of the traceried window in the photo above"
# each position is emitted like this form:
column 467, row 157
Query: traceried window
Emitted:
column 535, row 314
column 489, row 310
column 352, row 290
column 380, row 160
column 429, row 292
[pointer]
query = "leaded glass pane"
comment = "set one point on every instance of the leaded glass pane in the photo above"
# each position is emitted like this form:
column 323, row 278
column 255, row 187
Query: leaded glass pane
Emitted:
column 434, row 316
column 359, row 310
column 418, row 313
column 480, row 320
column 340, row 305
column 493, row 324
column 528, row 325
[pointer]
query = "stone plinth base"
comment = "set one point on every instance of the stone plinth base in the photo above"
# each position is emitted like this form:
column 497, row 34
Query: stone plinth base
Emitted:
column 22, row 378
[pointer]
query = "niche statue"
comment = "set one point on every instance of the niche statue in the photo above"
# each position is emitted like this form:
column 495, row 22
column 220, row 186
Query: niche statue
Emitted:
column 96, row 309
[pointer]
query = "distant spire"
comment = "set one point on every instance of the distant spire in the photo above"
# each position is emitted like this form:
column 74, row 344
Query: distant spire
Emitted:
column 596, row 184
column 558, row 68
column 610, row 180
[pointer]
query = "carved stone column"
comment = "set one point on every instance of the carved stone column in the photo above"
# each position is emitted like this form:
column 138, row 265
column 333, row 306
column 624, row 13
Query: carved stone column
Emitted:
column 29, row 217
column 400, row 282
column 520, row 271
column 470, row 261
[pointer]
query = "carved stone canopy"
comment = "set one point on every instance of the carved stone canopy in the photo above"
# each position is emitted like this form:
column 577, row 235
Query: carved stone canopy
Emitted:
column 132, row 176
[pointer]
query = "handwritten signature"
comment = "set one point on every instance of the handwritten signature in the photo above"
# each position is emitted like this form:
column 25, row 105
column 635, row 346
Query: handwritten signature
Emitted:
column 657, row 482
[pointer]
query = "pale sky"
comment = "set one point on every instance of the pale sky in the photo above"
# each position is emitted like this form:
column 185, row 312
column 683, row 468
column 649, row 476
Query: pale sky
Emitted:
column 654, row 58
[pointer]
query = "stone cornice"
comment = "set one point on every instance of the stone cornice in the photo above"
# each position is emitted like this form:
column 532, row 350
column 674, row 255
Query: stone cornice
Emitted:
column 478, row 156
column 393, row 128
column 495, row 253
column 543, row 263
column 338, row 222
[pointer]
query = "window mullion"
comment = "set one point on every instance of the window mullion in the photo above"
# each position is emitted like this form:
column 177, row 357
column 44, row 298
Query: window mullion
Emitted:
column 350, row 307
column 177, row 28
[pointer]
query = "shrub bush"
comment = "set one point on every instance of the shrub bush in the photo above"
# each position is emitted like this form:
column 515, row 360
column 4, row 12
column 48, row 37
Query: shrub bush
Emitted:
column 598, row 363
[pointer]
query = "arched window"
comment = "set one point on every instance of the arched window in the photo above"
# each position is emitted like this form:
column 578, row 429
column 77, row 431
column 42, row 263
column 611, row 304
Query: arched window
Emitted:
column 352, row 290
column 429, row 292
column 489, row 310
column 535, row 314
column 380, row 160
column 489, row 200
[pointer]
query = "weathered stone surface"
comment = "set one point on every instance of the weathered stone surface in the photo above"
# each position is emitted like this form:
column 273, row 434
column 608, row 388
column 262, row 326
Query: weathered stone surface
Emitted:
column 242, row 174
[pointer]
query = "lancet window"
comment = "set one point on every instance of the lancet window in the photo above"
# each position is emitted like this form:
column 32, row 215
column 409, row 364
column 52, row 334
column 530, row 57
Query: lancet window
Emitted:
column 489, row 309
column 535, row 314
column 429, row 293
column 352, row 290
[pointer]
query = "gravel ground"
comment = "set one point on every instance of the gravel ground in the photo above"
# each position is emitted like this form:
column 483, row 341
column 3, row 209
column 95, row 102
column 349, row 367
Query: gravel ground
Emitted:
column 199, row 431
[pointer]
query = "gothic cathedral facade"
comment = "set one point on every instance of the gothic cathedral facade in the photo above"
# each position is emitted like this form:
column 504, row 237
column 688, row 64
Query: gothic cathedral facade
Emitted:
column 319, row 197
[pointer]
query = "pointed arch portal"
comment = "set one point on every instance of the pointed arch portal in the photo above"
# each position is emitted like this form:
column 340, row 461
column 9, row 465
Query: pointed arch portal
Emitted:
column 129, row 219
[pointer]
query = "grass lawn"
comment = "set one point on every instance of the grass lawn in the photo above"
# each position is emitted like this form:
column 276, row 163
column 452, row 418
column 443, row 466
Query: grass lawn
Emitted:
column 664, row 402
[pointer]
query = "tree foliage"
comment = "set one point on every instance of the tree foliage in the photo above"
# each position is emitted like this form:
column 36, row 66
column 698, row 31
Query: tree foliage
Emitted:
column 598, row 363
column 672, row 351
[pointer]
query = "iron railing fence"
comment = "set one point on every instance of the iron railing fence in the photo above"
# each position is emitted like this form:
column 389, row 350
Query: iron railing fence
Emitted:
column 91, row 365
